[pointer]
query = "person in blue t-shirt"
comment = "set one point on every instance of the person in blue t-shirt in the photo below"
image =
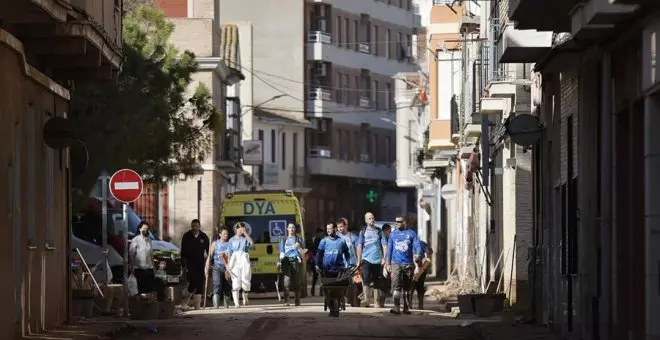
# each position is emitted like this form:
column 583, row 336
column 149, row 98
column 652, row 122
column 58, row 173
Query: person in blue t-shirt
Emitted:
column 220, row 253
column 290, row 262
column 331, row 253
column 403, row 252
column 351, row 240
column 371, row 248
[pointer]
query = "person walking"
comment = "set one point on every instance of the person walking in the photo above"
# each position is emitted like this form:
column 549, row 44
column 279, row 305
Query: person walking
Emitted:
column 220, row 253
column 142, row 263
column 403, row 253
column 239, row 263
column 371, row 249
column 350, row 239
column 291, row 256
column 419, row 280
column 194, row 250
column 312, row 260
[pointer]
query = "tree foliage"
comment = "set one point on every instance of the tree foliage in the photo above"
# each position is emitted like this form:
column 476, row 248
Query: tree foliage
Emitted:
column 148, row 120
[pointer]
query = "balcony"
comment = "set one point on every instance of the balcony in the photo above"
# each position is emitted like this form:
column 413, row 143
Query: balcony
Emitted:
column 376, row 9
column 523, row 46
column 319, row 37
column 596, row 18
column 74, row 39
column 320, row 104
column 320, row 48
column 327, row 166
column 440, row 137
column 541, row 15
column 495, row 106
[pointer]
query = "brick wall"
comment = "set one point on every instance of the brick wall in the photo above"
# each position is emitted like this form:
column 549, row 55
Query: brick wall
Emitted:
column 174, row 8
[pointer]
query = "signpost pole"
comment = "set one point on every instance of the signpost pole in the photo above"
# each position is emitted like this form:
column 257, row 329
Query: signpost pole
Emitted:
column 125, row 280
column 126, row 186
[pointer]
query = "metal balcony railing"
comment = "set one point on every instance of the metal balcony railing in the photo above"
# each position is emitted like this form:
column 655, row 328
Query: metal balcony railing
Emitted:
column 319, row 152
column 320, row 94
column 319, row 36
column 364, row 47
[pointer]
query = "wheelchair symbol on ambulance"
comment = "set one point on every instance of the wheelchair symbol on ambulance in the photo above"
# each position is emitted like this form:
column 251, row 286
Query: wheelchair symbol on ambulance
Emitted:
column 276, row 228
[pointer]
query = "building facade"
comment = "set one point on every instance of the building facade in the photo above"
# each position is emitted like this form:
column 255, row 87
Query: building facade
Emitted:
column 82, row 40
column 594, row 255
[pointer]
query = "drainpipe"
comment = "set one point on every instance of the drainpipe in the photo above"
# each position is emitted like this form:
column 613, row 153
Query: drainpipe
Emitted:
column 607, row 260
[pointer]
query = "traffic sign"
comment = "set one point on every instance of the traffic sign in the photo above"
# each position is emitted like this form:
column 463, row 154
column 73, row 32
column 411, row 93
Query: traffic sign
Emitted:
column 277, row 228
column 126, row 185
column 448, row 192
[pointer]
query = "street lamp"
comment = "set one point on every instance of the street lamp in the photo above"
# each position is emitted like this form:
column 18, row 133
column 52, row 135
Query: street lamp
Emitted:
column 252, row 107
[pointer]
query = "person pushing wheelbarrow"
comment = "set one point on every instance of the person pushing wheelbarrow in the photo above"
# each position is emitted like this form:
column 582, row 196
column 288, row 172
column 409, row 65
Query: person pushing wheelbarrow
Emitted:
column 331, row 260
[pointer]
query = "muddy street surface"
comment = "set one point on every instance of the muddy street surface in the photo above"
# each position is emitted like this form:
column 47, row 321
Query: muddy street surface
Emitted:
column 268, row 320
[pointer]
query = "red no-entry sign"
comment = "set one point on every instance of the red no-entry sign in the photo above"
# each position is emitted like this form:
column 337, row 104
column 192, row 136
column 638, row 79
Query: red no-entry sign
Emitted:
column 126, row 185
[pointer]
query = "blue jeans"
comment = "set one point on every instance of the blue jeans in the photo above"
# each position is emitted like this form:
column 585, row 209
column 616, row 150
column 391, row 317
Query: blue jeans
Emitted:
column 221, row 285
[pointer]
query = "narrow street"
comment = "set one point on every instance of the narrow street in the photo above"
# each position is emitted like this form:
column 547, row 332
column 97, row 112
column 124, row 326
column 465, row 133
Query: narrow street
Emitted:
column 266, row 320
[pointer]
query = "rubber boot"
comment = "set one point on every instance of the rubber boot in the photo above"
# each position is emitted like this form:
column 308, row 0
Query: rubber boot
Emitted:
column 286, row 298
column 397, row 303
column 406, row 303
column 225, row 301
column 235, row 296
column 420, row 302
column 197, row 301
column 245, row 298
column 377, row 298
column 297, row 298
column 216, row 300
column 366, row 291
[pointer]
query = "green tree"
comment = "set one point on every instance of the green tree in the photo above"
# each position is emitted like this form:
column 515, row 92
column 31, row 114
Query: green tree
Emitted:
column 147, row 119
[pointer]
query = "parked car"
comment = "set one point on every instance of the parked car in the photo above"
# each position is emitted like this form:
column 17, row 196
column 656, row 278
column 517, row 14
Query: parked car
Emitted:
column 87, row 230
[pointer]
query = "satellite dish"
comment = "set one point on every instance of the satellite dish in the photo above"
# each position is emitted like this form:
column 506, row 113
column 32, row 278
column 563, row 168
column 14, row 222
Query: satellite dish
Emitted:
column 524, row 129
column 58, row 133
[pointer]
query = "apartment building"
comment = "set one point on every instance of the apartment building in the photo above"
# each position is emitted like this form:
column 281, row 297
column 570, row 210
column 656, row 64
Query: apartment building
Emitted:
column 594, row 257
column 332, row 62
column 45, row 47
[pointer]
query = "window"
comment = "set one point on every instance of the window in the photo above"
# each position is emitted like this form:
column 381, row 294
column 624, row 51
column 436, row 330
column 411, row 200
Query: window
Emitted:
column 273, row 142
column 388, row 43
column 374, row 149
column 389, row 97
column 347, row 33
column 338, row 143
column 283, row 148
column 386, row 152
column 50, row 168
column 32, row 181
column 339, row 31
column 357, row 141
column 358, row 91
column 346, row 141
column 340, row 88
column 295, row 151
column 346, row 89
column 374, row 95
column 375, row 41
column 356, row 35
column 411, row 149
column 260, row 133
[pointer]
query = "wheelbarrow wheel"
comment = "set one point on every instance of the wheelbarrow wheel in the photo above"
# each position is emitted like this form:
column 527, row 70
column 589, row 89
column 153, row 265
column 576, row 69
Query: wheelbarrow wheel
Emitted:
column 334, row 314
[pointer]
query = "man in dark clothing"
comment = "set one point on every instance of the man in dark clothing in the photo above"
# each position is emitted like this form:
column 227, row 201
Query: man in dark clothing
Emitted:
column 315, row 275
column 194, row 250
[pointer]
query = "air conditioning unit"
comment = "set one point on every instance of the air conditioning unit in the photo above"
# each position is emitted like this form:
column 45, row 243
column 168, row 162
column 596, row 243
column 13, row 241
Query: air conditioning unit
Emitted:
column 320, row 69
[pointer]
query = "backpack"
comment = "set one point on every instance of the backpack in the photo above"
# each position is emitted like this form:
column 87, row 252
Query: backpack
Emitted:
column 380, row 236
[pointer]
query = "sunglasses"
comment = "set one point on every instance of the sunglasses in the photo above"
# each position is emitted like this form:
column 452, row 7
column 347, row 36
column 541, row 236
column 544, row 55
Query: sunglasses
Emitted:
column 399, row 221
